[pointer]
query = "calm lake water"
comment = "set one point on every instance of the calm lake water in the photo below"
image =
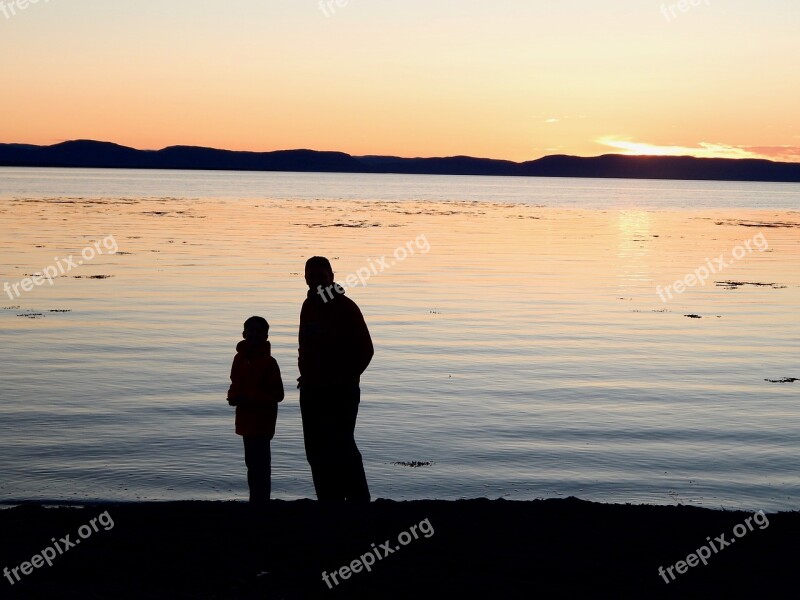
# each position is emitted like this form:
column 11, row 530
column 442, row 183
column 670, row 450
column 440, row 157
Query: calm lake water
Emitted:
column 522, row 346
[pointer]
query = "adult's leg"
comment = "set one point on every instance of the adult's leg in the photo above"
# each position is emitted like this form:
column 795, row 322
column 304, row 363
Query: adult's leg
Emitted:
column 352, row 478
column 258, row 459
column 319, row 439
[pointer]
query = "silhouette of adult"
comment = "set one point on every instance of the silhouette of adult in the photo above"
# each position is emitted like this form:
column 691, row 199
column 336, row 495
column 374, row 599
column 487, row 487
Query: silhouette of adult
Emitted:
column 335, row 349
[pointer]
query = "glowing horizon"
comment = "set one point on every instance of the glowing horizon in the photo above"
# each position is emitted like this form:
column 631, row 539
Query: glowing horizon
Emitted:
column 509, row 80
column 623, row 147
column 784, row 153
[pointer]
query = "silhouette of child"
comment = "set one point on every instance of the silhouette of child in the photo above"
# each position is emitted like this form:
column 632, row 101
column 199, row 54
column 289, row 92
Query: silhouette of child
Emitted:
column 256, row 389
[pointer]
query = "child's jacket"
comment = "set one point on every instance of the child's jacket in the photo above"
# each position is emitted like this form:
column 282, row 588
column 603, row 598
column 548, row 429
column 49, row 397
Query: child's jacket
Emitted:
column 257, row 386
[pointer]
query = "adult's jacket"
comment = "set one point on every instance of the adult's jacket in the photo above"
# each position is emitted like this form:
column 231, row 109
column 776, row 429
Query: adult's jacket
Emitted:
column 335, row 345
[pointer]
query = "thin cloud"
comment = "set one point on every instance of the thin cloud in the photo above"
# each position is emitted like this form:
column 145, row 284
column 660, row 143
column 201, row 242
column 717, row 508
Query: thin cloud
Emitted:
column 783, row 153
column 702, row 150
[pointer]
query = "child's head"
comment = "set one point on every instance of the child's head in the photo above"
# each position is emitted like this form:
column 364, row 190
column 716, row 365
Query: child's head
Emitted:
column 256, row 329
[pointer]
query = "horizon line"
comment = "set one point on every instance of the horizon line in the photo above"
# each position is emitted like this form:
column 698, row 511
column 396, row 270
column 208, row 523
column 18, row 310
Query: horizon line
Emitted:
column 507, row 160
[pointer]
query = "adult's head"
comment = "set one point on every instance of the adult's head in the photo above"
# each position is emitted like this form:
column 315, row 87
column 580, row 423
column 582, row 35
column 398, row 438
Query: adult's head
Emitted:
column 318, row 272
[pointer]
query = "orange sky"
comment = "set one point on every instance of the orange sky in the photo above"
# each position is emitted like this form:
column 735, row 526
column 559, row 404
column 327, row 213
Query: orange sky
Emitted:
column 514, row 79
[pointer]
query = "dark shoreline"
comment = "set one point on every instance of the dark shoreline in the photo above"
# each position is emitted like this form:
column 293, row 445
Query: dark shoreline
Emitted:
column 565, row 548
column 93, row 154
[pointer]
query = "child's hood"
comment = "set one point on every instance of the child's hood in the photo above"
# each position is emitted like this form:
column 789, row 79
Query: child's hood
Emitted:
column 252, row 349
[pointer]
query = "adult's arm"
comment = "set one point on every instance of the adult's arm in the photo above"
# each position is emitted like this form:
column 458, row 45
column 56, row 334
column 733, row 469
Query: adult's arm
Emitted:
column 301, row 350
column 363, row 350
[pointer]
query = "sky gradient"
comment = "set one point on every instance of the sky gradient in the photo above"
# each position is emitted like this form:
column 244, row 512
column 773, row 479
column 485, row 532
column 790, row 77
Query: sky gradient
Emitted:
column 510, row 79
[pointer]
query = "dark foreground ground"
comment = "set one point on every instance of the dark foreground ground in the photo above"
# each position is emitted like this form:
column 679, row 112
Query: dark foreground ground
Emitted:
column 473, row 549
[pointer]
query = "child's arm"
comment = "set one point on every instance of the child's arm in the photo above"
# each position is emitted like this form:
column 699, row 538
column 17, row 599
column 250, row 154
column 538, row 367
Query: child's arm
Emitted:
column 275, row 383
column 235, row 391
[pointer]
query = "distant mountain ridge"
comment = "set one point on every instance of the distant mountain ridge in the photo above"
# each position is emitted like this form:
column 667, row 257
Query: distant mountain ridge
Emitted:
column 107, row 155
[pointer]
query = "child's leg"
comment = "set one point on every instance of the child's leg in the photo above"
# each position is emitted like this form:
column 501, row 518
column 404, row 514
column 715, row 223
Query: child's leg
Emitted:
column 259, row 468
